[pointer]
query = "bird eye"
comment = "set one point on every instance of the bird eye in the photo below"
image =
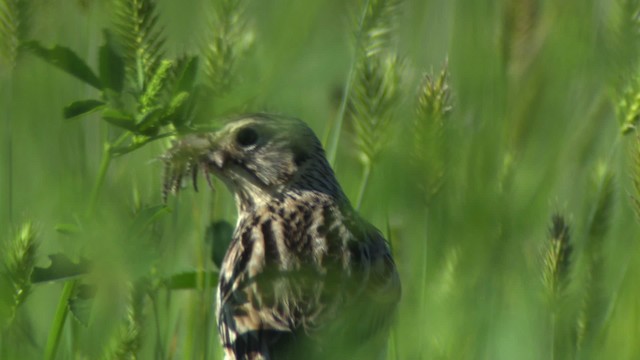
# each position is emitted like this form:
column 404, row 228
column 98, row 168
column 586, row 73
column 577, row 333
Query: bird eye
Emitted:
column 247, row 137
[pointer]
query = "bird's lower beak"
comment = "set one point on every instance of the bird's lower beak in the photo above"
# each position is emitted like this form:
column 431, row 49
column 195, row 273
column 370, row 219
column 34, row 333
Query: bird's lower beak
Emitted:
column 216, row 158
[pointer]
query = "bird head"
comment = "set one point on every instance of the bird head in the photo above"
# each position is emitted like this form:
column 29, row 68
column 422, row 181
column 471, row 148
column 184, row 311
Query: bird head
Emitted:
column 260, row 157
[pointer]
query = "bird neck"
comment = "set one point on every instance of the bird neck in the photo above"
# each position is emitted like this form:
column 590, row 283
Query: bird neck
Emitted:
column 313, row 179
column 254, row 200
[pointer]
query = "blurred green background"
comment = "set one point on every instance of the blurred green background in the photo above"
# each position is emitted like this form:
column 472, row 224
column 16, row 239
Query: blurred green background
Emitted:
column 540, row 91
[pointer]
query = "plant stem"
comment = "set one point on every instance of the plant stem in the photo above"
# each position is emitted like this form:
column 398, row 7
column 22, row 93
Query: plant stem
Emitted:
column 423, row 278
column 159, row 348
column 9, row 147
column 59, row 320
column 552, row 356
column 102, row 172
column 363, row 185
column 335, row 138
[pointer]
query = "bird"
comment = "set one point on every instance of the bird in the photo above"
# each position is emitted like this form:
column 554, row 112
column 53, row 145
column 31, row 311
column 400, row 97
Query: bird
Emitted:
column 305, row 276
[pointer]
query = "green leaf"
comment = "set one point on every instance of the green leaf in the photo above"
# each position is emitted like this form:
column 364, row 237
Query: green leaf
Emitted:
column 189, row 280
column 176, row 109
column 147, row 123
column 66, row 60
column 68, row 229
column 81, row 302
column 219, row 234
column 61, row 268
column 112, row 69
column 146, row 217
column 187, row 75
column 121, row 150
column 81, row 107
column 119, row 119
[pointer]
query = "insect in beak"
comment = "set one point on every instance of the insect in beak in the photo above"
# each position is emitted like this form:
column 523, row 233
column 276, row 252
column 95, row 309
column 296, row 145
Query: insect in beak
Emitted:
column 185, row 158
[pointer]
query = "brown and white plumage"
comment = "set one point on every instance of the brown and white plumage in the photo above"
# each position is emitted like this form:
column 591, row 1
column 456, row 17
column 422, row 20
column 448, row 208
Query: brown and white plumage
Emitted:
column 304, row 276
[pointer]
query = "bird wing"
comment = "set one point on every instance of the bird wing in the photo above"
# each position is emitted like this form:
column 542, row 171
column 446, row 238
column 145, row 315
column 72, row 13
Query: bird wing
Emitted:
column 331, row 299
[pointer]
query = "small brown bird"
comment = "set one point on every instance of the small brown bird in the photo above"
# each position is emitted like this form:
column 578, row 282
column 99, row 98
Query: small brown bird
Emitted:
column 304, row 276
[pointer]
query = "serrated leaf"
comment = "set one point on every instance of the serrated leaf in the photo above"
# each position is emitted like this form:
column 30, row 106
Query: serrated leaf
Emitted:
column 119, row 119
column 189, row 280
column 81, row 302
column 61, row 268
column 146, row 217
column 66, row 60
column 111, row 64
column 219, row 234
column 81, row 107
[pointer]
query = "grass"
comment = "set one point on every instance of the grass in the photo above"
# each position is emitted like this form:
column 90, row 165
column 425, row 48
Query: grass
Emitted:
column 495, row 143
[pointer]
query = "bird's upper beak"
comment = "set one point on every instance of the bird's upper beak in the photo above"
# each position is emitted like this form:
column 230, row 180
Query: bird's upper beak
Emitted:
column 215, row 156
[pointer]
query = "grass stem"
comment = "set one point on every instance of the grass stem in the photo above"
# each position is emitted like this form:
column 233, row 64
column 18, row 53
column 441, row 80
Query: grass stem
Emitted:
column 554, row 319
column 366, row 174
column 334, row 140
column 9, row 150
column 423, row 276
column 102, row 172
column 159, row 348
column 58, row 322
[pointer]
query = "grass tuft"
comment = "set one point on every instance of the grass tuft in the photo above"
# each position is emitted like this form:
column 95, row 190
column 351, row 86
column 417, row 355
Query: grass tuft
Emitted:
column 433, row 107
column 19, row 260
column 14, row 25
column 627, row 42
column 230, row 37
column 376, row 27
column 628, row 106
column 557, row 258
column 128, row 340
column 373, row 58
column 375, row 94
column 373, row 87
column 156, row 85
column 140, row 39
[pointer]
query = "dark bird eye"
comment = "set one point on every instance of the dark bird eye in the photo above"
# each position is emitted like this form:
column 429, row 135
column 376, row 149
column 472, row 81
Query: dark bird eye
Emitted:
column 247, row 137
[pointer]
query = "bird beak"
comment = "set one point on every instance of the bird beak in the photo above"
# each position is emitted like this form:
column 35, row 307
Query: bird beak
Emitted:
column 215, row 155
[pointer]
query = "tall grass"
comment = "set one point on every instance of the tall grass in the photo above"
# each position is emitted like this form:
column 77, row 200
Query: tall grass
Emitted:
column 495, row 143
